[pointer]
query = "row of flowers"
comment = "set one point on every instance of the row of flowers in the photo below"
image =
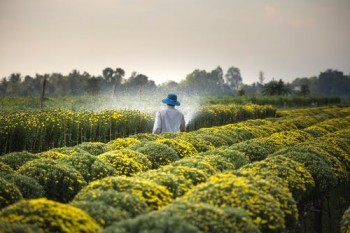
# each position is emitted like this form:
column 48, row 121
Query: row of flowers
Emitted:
column 39, row 131
column 209, row 173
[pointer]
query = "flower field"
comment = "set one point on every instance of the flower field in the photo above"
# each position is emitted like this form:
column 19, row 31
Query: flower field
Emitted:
column 278, row 174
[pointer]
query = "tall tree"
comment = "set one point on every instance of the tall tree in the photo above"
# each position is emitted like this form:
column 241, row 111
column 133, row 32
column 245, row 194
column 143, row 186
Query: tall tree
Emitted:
column 233, row 78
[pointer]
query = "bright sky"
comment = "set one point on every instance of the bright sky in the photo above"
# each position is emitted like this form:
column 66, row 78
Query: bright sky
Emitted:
column 168, row 39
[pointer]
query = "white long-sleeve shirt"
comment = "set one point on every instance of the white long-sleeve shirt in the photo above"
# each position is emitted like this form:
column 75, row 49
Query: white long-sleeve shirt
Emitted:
column 169, row 120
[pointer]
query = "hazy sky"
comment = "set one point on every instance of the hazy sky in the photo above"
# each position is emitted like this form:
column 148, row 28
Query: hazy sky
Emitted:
column 168, row 39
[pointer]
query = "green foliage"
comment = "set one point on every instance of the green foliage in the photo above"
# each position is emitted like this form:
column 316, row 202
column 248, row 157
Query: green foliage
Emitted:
column 89, row 166
column 211, row 219
column 159, row 154
column 103, row 214
column 28, row 186
column 316, row 131
column 154, row 195
column 145, row 136
column 94, row 148
column 61, row 182
column 283, row 171
column 198, row 142
column 50, row 216
column 226, row 189
column 128, row 202
column 19, row 228
column 70, row 151
column 9, row 193
column 345, row 222
column 16, row 159
column 212, row 138
column 152, row 222
column 126, row 162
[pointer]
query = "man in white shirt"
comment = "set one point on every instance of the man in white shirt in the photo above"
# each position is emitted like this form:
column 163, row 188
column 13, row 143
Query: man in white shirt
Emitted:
column 169, row 119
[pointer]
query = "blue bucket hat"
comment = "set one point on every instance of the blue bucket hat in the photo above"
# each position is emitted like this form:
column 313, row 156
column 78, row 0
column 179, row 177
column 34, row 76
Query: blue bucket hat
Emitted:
column 171, row 99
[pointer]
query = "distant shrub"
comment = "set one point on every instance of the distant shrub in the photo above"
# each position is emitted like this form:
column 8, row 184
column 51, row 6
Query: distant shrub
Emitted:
column 220, row 163
column 122, row 143
column 28, row 186
column 146, row 136
column 152, row 222
column 198, row 142
column 94, row 148
column 89, row 166
column 159, row 154
column 224, row 135
column 16, row 159
column 61, row 182
column 345, row 222
column 9, row 193
column 226, row 189
column 126, row 162
column 316, row 131
column 125, row 201
column 291, row 137
column 154, row 195
column 211, row 219
column 211, row 138
column 50, row 216
column 182, row 148
column 52, row 155
column 103, row 214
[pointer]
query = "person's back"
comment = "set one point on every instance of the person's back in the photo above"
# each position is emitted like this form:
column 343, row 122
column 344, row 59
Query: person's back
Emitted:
column 169, row 119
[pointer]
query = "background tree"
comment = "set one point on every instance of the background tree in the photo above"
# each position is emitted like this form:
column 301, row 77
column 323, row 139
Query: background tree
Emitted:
column 233, row 78
column 276, row 88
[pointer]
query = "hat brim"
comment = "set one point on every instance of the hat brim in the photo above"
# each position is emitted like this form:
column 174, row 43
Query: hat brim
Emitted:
column 171, row 102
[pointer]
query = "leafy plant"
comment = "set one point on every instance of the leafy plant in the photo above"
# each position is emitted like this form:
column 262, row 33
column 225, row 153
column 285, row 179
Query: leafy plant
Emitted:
column 16, row 159
column 9, row 193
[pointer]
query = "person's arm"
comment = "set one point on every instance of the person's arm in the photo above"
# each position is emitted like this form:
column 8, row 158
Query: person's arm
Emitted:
column 157, row 128
column 183, row 124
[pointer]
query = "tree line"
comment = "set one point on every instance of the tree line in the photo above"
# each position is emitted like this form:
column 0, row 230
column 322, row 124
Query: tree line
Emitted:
column 199, row 82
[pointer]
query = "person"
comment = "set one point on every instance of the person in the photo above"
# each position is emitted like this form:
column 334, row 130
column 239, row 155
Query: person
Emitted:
column 169, row 119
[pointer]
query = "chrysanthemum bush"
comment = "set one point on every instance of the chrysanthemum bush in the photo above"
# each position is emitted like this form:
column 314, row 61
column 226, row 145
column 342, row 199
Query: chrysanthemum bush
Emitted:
column 126, row 162
column 194, row 175
column 152, row 222
column 283, row 171
column 16, row 159
column 222, row 136
column 321, row 171
column 52, row 155
column 198, row 142
column 254, row 149
column 19, row 228
column 159, row 154
column 227, row 189
column 345, row 222
column 122, row 143
column 131, row 203
column 61, row 182
column 9, row 193
column 182, row 148
column 89, row 166
column 50, row 216
column 5, row 168
column 234, row 157
column 198, row 163
column 145, row 136
column 94, row 148
column 102, row 213
column 154, row 195
column 178, row 185
column 211, row 138
column 70, row 150
column 28, row 186
column 211, row 219
column 316, row 131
